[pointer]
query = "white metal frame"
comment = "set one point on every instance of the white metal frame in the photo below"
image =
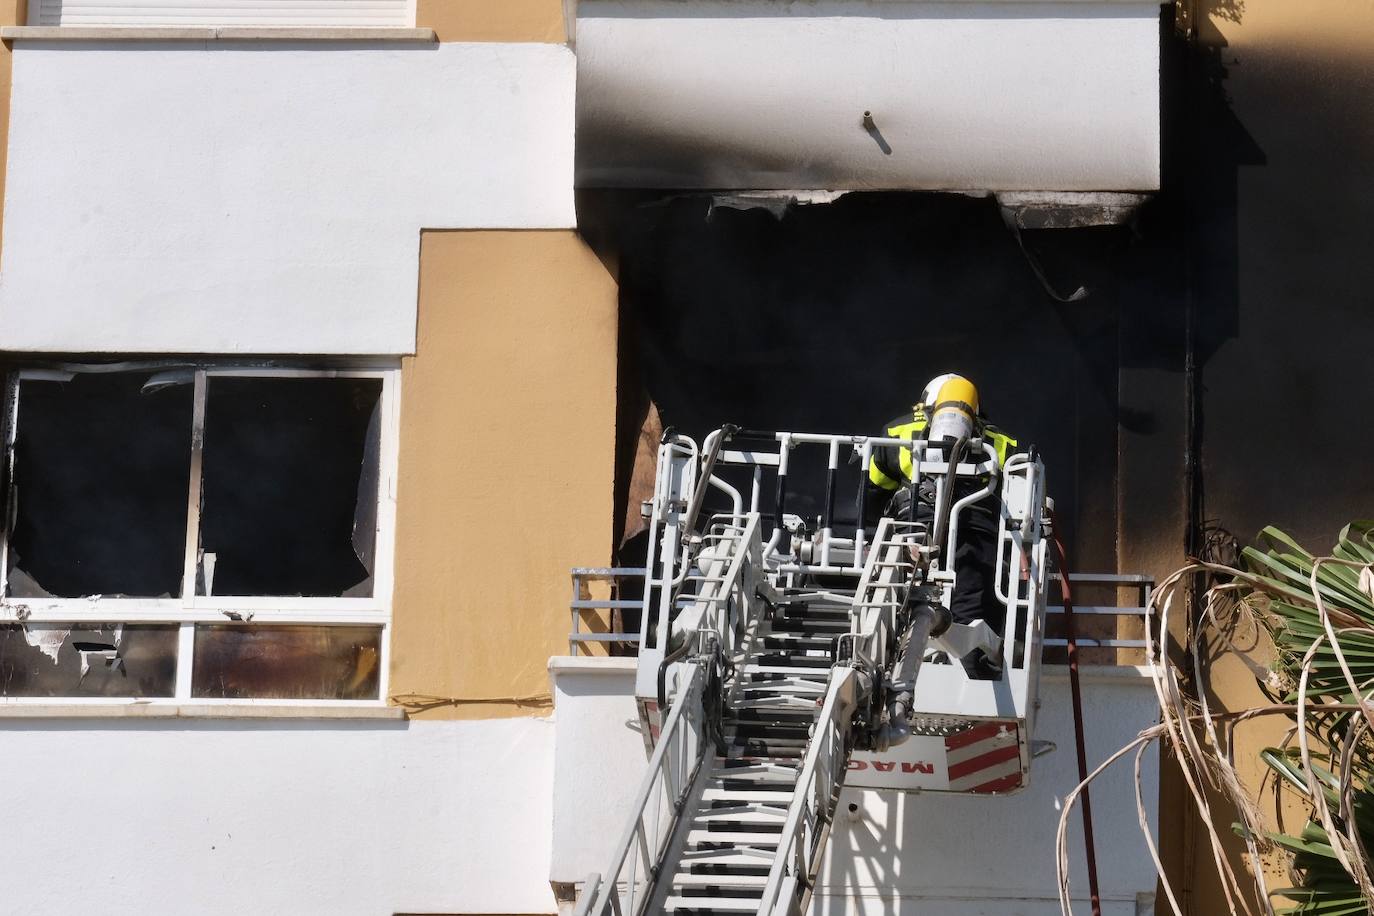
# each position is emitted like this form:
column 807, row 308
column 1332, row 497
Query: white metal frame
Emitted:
column 717, row 574
column 191, row 609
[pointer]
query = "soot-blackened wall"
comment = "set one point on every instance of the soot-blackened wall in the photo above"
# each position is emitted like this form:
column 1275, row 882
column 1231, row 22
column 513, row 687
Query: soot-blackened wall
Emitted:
column 833, row 316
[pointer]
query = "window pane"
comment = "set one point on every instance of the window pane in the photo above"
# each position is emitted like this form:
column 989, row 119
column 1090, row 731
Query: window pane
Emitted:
column 290, row 486
column 85, row 660
column 101, row 478
column 287, row 662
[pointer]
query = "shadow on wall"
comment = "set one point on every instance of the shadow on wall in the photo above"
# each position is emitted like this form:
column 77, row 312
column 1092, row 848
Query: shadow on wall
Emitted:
column 831, row 317
column 1276, row 137
column 1215, row 146
column 1295, row 358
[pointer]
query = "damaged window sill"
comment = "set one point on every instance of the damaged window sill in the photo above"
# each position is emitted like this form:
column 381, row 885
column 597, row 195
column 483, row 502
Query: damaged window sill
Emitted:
column 59, row 710
column 178, row 33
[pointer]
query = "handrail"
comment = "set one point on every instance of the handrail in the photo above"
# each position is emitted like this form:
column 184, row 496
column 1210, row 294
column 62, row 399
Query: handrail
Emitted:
column 708, row 467
column 718, row 592
column 1135, row 612
column 579, row 604
column 817, row 795
column 671, row 772
column 863, row 448
column 949, row 536
column 1144, row 584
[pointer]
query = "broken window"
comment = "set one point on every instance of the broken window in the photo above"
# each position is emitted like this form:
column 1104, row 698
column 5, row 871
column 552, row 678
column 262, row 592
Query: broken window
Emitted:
column 287, row 662
column 290, row 486
column 167, row 493
column 98, row 493
column 88, row 660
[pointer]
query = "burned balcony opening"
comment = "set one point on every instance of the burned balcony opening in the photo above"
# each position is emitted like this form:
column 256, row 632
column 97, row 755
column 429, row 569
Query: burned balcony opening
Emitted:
column 289, row 487
column 825, row 317
column 101, row 467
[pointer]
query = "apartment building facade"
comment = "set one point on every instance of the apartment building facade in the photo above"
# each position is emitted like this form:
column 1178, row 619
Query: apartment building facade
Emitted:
column 280, row 206
column 334, row 332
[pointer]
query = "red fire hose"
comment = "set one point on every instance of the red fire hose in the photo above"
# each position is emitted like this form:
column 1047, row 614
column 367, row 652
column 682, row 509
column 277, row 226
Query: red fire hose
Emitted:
column 1077, row 693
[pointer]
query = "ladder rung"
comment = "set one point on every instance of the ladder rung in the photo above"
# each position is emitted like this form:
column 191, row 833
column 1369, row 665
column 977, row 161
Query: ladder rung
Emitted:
column 688, row 879
column 761, row 818
column 743, row 838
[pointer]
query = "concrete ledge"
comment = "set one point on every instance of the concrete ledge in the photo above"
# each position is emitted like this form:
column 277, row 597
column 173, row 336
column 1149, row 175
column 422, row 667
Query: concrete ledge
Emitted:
column 194, row 711
column 580, row 664
column 175, row 33
column 1070, row 209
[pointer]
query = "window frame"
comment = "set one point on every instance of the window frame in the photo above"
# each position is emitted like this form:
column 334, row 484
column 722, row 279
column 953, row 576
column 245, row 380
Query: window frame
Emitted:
column 190, row 609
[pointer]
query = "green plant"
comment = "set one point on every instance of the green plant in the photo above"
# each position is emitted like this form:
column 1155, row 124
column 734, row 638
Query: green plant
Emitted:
column 1319, row 615
column 1319, row 611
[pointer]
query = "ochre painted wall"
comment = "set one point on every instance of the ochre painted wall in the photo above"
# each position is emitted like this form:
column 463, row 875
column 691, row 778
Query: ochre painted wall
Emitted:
column 506, row 467
column 494, row 20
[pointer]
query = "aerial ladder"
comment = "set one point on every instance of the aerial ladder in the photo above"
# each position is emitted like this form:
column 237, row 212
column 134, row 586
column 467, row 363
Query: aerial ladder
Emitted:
column 782, row 657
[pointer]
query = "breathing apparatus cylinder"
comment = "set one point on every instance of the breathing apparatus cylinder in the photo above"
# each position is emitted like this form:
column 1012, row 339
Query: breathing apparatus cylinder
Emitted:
column 952, row 410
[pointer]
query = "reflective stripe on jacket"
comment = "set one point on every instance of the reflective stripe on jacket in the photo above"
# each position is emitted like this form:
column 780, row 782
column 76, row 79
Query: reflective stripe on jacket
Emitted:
column 892, row 465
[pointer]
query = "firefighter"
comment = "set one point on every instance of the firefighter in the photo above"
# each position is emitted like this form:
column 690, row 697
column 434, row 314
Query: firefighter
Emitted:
column 949, row 408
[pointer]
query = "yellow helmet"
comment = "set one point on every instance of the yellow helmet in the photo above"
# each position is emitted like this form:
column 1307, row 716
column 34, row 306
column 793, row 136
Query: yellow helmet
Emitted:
column 931, row 395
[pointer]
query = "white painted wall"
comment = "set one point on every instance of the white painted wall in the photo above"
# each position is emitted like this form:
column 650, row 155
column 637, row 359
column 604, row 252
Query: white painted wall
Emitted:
column 241, row 197
column 1054, row 96
column 295, row 818
column 599, row 756
column 994, row 856
column 899, row 854
column 374, row 818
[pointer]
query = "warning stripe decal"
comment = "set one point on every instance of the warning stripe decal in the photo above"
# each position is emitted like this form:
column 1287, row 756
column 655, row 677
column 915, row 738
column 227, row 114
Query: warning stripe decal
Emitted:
column 996, row 772
column 999, row 785
column 974, row 735
column 998, row 741
column 984, row 761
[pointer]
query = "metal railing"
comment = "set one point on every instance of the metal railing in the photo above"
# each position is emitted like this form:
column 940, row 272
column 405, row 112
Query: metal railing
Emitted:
column 582, row 602
column 832, row 554
column 718, row 593
column 1144, row 585
column 673, row 770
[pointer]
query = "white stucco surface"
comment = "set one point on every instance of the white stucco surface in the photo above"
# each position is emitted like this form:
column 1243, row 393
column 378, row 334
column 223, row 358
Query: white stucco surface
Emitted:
column 904, row 854
column 292, row 817
column 970, row 95
column 263, row 197
column 599, row 759
column 925, row 853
